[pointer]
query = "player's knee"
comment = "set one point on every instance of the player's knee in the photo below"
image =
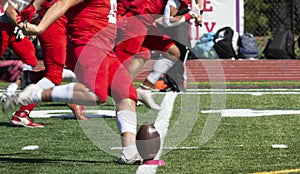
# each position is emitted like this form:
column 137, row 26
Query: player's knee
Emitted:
column 174, row 51
column 55, row 79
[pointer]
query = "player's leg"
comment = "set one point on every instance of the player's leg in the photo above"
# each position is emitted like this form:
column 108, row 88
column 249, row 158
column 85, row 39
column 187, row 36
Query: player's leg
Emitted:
column 53, row 44
column 128, row 48
column 129, row 43
column 138, row 62
column 161, row 66
column 125, row 96
column 112, row 79
column 170, row 54
column 80, row 94
column 24, row 49
column 5, row 39
column 127, row 123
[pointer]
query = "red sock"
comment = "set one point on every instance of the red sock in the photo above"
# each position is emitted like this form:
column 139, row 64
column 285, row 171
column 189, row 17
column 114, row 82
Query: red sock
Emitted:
column 29, row 107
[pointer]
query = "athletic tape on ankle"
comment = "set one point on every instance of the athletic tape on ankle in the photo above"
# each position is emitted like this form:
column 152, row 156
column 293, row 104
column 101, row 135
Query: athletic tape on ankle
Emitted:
column 63, row 93
column 126, row 121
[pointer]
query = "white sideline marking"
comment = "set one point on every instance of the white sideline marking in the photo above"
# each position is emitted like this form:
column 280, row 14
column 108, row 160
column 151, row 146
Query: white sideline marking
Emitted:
column 279, row 146
column 111, row 113
column 234, row 92
column 238, row 91
column 31, row 147
column 251, row 112
column 244, row 89
column 68, row 113
column 161, row 124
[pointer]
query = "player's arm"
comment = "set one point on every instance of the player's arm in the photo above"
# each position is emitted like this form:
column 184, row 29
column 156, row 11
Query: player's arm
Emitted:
column 200, row 11
column 199, row 3
column 57, row 10
column 26, row 14
column 12, row 14
column 37, row 3
column 170, row 17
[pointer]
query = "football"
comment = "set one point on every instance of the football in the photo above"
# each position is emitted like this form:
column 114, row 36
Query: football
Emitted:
column 148, row 141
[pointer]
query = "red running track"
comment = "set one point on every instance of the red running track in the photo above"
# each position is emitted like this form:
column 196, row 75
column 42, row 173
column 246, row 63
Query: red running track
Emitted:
column 232, row 70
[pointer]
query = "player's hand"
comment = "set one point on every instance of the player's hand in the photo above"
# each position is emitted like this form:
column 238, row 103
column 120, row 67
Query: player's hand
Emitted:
column 10, row 70
column 26, row 14
column 195, row 11
column 31, row 29
column 198, row 21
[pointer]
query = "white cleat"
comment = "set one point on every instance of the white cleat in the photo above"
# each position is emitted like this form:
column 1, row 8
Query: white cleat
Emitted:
column 137, row 159
column 10, row 103
column 145, row 97
column 24, row 98
column 139, row 103
column 4, row 97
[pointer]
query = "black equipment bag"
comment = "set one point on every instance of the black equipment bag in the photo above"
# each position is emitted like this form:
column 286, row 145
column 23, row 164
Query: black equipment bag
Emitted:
column 281, row 45
column 223, row 43
column 174, row 78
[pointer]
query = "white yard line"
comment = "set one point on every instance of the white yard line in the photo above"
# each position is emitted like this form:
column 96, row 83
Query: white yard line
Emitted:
column 161, row 124
column 235, row 92
column 240, row 93
column 111, row 113
column 252, row 112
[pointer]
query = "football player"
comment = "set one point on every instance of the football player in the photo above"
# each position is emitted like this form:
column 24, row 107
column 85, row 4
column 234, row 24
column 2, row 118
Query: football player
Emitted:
column 12, row 37
column 137, row 36
column 91, row 32
column 53, row 45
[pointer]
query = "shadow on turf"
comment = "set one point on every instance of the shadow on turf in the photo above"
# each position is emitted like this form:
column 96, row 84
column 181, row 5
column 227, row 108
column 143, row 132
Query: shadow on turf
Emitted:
column 90, row 116
column 6, row 124
column 49, row 104
column 42, row 160
column 52, row 104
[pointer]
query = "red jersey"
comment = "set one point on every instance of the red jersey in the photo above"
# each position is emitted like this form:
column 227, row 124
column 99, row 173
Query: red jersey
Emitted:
column 149, row 9
column 184, row 3
column 148, row 6
column 88, row 18
column 123, row 6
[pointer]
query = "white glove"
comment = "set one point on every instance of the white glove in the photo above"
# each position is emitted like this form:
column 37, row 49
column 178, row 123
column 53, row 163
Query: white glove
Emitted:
column 195, row 11
column 19, row 33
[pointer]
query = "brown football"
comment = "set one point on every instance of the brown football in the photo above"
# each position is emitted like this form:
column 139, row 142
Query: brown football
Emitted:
column 147, row 141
